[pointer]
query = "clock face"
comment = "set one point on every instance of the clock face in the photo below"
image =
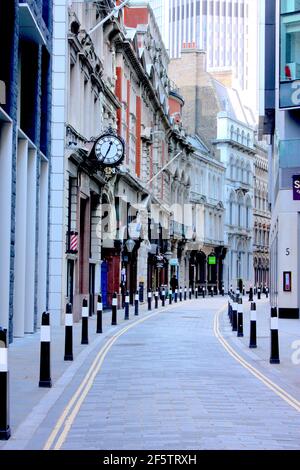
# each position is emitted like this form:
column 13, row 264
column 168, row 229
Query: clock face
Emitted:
column 109, row 150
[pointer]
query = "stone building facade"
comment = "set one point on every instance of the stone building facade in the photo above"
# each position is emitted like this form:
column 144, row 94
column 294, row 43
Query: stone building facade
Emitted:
column 262, row 218
column 110, row 232
column 227, row 128
column 25, row 138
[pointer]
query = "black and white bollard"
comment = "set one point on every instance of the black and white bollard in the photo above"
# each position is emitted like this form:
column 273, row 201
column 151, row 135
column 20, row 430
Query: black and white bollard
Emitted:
column 223, row 291
column 267, row 292
column 4, row 388
column 149, row 300
column 156, row 297
column 230, row 311
column 163, row 297
column 240, row 319
column 203, row 292
column 99, row 315
column 234, row 313
column 251, row 294
column 259, row 293
column 114, row 306
column 274, row 357
column 126, row 306
column 176, row 296
column 211, row 291
column 85, row 324
column 170, row 297
column 180, row 294
column 185, row 293
column 196, row 293
column 190, row 293
column 68, row 333
column 253, row 339
column 45, row 358
column 136, row 304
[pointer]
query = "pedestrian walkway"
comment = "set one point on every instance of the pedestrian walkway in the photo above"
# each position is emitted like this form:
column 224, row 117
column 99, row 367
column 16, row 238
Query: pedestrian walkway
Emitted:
column 287, row 373
column 24, row 357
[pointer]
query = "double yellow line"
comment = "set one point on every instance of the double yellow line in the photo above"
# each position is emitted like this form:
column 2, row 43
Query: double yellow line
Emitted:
column 65, row 421
column 265, row 380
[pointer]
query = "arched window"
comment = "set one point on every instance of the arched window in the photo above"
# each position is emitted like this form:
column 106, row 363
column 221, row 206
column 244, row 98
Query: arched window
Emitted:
column 248, row 174
column 237, row 170
column 248, row 212
column 248, row 140
column 243, row 137
column 231, row 167
column 243, row 171
column 238, row 135
column 231, row 208
column 240, row 211
column 232, row 133
column 214, row 188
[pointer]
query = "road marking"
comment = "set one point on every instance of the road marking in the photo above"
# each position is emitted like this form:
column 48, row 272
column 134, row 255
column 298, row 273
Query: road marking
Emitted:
column 65, row 421
column 292, row 401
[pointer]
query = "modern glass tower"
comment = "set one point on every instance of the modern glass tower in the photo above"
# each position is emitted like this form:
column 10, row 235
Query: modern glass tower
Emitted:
column 220, row 27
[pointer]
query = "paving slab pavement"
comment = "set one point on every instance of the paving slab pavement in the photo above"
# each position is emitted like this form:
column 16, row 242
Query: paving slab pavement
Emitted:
column 165, row 384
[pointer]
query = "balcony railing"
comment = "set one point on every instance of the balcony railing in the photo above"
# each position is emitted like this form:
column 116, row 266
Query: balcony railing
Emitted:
column 289, row 153
column 178, row 230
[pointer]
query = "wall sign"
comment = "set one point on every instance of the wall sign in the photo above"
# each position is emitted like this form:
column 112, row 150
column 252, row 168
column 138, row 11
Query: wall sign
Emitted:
column 287, row 281
column 212, row 260
column 296, row 187
column 289, row 94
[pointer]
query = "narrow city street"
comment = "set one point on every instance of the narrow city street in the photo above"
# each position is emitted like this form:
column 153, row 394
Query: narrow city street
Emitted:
column 165, row 381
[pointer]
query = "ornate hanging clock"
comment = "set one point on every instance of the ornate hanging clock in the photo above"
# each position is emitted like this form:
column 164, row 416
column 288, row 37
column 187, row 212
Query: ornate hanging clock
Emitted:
column 109, row 149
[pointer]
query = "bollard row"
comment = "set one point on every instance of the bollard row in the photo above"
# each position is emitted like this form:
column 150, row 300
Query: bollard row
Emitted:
column 235, row 316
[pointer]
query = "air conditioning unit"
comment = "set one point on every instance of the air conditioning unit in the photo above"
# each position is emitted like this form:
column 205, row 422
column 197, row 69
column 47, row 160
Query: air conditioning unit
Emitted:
column 292, row 71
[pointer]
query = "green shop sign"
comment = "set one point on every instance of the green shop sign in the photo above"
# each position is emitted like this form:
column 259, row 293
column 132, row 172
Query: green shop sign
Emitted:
column 212, row 260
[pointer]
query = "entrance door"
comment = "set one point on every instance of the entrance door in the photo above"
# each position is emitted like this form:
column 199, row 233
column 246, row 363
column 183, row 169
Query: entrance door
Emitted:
column 104, row 278
column 92, row 289
column 70, row 281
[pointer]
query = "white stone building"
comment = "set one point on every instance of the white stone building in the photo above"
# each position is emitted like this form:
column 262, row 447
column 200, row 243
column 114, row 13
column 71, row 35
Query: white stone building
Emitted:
column 235, row 142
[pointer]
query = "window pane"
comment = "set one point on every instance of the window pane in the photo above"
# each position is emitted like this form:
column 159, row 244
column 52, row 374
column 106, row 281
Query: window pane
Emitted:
column 288, row 6
column 290, row 47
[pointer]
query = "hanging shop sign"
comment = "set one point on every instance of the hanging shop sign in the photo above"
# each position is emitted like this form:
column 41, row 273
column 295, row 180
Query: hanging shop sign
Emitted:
column 212, row 260
column 174, row 262
column 296, row 187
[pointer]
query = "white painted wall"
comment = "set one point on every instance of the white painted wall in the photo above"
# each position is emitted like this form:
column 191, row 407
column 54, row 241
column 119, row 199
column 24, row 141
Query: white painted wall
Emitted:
column 5, row 215
column 286, row 212
column 57, row 235
column 30, row 241
column 20, row 238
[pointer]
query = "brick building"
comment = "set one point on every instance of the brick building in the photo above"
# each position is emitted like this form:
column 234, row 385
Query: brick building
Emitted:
column 120, row 224
column 25, row 133
column 262, row 218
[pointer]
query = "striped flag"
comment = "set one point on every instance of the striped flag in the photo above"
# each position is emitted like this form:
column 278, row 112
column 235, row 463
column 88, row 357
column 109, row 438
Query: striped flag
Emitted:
column 73, row 237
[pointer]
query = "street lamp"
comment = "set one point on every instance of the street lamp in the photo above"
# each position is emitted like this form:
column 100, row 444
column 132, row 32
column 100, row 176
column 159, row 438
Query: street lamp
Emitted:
column 168, row 254
column 130, row 244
